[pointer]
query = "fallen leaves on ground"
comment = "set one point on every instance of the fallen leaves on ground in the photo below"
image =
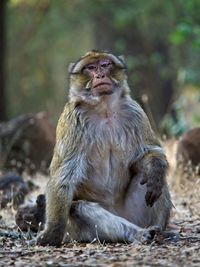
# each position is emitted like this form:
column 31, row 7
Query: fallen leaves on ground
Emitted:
column 15, row 248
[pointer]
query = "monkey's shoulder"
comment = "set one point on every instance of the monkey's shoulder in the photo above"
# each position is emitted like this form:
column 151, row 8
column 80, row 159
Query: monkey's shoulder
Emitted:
column 67, row 121
column 136, row 117
column 133, row 112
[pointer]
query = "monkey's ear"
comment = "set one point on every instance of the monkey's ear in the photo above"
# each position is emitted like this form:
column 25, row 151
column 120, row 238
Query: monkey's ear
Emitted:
column 122, row 58
column 71, row 66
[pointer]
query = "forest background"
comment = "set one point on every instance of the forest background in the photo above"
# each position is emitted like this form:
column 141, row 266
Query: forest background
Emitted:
column 159, row 39
column 161, row 44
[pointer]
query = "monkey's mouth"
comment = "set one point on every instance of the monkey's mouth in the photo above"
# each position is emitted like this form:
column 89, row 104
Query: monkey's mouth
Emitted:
column 103, row 85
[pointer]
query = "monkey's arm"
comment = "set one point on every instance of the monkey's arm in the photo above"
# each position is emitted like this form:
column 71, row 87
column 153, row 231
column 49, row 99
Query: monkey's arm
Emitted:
column 66, row 170
column 153, row 164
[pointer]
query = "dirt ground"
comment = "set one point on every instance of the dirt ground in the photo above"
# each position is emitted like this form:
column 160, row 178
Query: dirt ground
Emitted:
column 15, row 248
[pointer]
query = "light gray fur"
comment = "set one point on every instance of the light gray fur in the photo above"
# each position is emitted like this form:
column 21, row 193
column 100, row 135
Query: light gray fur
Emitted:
column 105, row 138
column 90, row 222
column 107, row 147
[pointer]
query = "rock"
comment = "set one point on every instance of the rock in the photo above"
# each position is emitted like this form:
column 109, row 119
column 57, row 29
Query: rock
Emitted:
column 188, row 152
column 27, row 143
column 13, row 189
column 31, row 216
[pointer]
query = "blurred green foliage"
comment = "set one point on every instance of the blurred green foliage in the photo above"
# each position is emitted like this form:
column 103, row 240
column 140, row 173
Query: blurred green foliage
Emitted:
column 160, row 39
column 42, row 38
column 184, row 113
column 188, row 27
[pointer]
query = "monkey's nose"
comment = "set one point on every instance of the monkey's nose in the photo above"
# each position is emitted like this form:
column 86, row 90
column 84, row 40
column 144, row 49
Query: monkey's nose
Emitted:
column 100, row 76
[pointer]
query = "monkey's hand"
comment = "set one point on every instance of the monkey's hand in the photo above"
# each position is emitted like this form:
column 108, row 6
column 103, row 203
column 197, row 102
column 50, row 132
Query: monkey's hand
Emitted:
column 52, row 236
column 154, row 178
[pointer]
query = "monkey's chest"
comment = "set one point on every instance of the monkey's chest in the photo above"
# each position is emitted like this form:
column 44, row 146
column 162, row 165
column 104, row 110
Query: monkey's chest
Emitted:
column 108, row 151
column 107, row 170
column 110, row 144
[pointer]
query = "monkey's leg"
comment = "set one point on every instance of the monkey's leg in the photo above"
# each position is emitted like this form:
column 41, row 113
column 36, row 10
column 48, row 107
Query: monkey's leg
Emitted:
column 89, row 222
column 58, row 201
column 136, row 210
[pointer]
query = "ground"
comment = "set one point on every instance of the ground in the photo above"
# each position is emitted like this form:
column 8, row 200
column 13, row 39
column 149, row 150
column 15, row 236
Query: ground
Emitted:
column 16, row 250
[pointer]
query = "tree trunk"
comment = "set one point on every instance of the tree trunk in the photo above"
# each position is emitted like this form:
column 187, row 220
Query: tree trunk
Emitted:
column 2, row 60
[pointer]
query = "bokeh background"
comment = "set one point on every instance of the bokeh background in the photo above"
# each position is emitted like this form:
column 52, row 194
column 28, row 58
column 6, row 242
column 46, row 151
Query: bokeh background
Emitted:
column 159, row 39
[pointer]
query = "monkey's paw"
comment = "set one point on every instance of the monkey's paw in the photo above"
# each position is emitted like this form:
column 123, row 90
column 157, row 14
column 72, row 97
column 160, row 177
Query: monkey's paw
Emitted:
column 146, row 236
column 50, row 237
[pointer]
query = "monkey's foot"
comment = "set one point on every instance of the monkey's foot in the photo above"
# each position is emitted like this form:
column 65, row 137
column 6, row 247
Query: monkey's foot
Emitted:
column 51, row 237
column 146, row 236
column 47, row 240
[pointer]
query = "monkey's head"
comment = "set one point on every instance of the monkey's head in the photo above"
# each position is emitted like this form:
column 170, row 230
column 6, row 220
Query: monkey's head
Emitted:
column 96, row 74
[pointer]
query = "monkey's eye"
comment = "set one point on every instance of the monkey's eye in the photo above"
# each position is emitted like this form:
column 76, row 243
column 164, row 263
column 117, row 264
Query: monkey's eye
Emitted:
column 91, row 67
column 105, row 64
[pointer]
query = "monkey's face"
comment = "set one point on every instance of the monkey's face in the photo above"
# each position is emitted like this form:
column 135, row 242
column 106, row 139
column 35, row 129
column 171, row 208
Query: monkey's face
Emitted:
column 97, row 74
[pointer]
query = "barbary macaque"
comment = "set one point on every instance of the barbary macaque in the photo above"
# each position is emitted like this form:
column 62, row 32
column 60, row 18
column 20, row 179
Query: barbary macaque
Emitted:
column 108, row 172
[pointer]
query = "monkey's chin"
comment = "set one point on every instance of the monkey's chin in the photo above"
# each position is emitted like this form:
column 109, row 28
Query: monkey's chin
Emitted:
column 103, row 90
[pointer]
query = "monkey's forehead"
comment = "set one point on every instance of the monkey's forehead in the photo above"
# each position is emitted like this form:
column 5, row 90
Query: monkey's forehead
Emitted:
column 92, row 56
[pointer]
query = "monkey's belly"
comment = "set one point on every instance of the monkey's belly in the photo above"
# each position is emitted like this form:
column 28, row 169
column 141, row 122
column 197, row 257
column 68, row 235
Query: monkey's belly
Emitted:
column 108, row 179
column 108, row 176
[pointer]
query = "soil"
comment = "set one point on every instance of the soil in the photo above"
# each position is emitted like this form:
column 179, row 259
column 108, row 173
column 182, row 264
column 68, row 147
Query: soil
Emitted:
column 16, row 249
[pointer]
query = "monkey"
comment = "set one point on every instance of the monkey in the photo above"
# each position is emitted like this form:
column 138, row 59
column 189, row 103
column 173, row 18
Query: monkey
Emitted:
column 108, row 171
